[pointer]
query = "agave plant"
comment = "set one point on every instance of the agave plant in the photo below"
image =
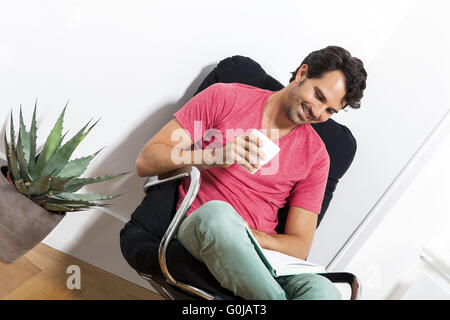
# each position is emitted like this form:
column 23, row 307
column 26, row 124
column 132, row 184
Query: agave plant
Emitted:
column 51, row 179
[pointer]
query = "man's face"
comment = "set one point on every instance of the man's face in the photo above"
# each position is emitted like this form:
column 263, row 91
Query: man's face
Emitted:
column 314, row 100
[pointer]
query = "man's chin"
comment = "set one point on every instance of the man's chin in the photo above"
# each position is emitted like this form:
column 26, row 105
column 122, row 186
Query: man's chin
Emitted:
column 299, row 121
column 296, row 119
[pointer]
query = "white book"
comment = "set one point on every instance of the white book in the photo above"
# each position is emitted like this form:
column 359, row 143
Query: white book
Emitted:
column 280, row 264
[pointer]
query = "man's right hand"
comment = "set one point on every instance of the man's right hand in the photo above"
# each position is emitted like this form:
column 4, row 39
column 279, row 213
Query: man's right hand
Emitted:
column 156, row 156
column 243, row 149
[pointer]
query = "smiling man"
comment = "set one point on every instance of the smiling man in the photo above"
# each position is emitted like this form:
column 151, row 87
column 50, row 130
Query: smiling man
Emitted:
column 229, row 197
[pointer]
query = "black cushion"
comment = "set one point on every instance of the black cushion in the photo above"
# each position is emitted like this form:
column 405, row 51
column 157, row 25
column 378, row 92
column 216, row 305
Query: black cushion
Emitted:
column 140, row 237
column 241, row 70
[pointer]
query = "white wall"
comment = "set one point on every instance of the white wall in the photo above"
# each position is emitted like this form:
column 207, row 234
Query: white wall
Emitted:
column 406, row 98
column 390, row 264
column 134, row 63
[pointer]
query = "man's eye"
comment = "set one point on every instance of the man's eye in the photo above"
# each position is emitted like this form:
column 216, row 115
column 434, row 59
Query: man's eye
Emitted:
column 319, row 98
column 330, row 111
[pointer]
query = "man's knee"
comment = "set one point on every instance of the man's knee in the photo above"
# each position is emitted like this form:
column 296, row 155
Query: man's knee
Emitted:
column 323, row 289
column 214, row 214
column 216, row 218
column 310, row 287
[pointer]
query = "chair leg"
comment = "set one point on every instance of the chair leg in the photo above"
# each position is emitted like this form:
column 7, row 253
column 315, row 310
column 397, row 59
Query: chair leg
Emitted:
column 356, row 289
column 161, row 290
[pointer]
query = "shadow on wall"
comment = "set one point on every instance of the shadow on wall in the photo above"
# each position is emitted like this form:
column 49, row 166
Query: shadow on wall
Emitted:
column 123, row 158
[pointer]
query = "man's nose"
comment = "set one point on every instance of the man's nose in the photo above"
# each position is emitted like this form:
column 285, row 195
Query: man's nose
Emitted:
column 316, row 111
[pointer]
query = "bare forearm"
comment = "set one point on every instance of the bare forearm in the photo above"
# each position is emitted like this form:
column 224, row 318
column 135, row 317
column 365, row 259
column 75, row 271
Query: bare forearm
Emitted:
column 160, row 158
column 285, row 243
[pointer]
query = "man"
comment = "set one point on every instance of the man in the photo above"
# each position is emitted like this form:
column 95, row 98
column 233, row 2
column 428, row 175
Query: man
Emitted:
column 230, row 197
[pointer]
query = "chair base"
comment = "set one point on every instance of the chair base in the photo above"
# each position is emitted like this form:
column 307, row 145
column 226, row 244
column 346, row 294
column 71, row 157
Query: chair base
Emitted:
column 166, row 290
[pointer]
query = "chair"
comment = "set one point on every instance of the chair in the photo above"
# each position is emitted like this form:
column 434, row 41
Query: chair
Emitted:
column 147, row 240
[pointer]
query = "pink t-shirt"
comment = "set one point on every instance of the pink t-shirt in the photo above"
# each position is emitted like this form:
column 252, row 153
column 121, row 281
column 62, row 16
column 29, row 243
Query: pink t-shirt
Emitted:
column 297, row 174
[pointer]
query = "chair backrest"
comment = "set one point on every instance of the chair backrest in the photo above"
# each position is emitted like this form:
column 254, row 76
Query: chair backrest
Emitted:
column 338, row 139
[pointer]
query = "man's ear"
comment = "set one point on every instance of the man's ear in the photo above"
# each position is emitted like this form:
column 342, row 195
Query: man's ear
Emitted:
column 302, row 73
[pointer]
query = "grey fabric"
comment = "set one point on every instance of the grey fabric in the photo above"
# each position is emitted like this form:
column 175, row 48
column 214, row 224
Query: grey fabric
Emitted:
column 23, row 224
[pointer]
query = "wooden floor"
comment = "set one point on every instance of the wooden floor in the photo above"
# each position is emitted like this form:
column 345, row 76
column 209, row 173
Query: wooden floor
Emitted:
column 42, row 274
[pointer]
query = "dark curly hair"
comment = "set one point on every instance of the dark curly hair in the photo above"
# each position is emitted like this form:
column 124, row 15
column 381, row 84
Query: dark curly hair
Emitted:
column 336, row 58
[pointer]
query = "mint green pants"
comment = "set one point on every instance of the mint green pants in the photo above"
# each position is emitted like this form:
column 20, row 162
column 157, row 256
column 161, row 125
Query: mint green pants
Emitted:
column 215, row 235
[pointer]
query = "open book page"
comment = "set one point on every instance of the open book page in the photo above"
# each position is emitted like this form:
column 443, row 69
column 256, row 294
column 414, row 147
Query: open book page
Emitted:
column 280, row 264
column 278, row 259
column 283, row 264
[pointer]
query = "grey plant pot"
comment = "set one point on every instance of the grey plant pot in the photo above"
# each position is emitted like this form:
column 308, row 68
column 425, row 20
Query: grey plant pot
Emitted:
column 23, row 223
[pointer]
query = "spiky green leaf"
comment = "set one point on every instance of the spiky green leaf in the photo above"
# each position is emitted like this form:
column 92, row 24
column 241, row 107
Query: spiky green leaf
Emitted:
column 32, row 159
column 90, row 128
column 12, row 132
column 23, row 165
column 25, row 138
column 51, row 144
column 40, row 186
column 20, row 185
column 7, row 148
column 56, row 200
column 75, row 204
column 82, row 197
column 14, row 163
column 78, row 183
column 62, row 139
column 57, row 208
column 84, row 208
column 77, row 167
column 59, row 160
column 5, row 141
column 81, row 206
column 59, row 183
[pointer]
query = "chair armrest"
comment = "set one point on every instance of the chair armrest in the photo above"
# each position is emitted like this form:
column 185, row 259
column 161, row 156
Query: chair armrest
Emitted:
column 186, row 172
column 346, row 277
column 169, row 176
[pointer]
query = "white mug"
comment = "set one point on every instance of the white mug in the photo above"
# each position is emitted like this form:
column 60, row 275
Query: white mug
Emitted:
column 269, row 148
